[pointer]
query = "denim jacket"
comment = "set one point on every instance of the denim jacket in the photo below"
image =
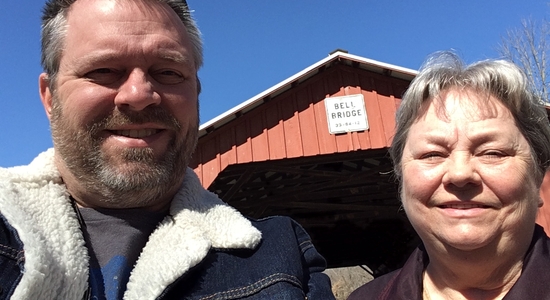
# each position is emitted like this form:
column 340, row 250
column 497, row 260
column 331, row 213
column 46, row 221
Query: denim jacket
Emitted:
column 203, row 249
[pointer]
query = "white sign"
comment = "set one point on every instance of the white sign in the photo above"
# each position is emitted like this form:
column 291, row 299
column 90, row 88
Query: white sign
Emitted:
column 346, row 114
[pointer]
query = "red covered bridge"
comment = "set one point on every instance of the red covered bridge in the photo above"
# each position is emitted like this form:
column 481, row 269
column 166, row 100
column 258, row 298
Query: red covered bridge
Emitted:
column 287, row 151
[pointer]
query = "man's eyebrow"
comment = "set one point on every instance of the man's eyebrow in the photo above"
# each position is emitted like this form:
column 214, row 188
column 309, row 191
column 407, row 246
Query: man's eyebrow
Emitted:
column 108, row 56
column 174, row 56
column 95, row 57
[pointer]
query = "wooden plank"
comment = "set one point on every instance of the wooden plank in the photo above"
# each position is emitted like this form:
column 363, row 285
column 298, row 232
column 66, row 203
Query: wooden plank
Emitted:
column 351, row 84
column 308, row 125
column 377, row 137
column 291, row 125
column 372, row 154
column 228, row 150
column 387, row 113
column 258, row 133
column 354, row 88
column 211, row 165
column 326, row 141
column 240, row 182
column 242, row 136
column 275, row 131
column 196, row 165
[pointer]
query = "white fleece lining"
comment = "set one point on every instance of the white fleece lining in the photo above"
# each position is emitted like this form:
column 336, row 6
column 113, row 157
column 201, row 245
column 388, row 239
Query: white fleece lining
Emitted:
column 200, row 221
column 35, row 202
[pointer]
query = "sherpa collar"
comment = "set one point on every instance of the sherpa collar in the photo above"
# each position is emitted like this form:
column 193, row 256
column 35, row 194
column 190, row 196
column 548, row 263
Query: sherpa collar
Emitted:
column 35, row 202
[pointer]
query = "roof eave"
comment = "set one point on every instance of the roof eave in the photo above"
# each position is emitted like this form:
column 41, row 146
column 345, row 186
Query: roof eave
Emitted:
column 259, row 99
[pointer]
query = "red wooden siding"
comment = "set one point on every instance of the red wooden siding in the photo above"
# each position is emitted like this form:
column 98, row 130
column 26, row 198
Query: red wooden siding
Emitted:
column 294, row 123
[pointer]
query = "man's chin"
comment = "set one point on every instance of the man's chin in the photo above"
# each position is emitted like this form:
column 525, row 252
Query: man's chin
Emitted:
column 130, row 161
column 130, row 168
column 132, row 175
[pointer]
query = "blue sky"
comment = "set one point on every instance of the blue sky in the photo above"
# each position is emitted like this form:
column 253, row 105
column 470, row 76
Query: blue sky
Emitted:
column 251, row 45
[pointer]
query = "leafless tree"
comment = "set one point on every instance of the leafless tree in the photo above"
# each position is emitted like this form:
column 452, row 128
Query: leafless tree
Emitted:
column 528, row 47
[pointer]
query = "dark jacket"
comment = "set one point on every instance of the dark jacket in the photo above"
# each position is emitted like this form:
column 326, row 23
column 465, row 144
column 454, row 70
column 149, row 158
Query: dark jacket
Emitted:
column 203, row 250
column 406, row 283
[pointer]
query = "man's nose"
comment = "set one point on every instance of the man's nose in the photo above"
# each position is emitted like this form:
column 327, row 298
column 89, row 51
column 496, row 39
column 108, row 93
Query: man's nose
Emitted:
column 137, row 92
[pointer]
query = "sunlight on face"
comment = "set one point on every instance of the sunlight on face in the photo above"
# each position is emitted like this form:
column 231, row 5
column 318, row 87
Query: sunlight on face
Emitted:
column 467, row 175
column 125, row 111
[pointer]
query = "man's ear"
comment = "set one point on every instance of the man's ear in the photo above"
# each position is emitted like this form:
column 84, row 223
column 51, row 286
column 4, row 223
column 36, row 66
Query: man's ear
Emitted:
column 45, row 93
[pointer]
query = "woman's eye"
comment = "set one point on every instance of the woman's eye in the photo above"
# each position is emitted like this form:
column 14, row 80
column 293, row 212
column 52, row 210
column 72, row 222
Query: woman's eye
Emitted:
column 493, row 154
column 431, row 155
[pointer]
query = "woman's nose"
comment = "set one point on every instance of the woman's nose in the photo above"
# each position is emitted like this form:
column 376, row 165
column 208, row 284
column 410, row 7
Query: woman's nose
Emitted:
column 461, row 170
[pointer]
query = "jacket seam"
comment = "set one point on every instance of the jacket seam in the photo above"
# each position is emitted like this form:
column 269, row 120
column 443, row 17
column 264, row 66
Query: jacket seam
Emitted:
column 305, row 245
column 12, row 253
column 255, row 287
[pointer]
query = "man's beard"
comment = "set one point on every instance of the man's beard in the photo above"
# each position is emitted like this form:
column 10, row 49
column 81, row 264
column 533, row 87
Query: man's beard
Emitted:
column 141, row 178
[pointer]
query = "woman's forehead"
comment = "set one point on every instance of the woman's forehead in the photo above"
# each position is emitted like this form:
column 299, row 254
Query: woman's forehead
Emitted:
column 473, row 104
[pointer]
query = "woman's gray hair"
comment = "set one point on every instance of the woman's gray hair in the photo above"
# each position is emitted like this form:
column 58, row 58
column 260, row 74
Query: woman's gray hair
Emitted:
column 498, row 78
column 54, row 29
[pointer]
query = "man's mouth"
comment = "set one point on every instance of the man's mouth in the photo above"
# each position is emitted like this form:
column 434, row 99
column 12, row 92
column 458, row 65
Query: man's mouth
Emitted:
column 136, row 133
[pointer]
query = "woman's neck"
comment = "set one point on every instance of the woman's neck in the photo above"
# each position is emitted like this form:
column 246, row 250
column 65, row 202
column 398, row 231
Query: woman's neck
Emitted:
column 471, row 275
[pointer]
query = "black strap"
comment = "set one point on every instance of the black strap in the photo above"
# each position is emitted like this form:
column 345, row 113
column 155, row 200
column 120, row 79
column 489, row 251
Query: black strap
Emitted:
column 88, row 293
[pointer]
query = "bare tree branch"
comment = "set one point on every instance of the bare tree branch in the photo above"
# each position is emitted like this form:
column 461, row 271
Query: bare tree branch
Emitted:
column 528, row 47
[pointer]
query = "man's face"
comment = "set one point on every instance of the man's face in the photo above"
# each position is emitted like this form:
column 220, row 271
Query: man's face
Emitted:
column 124, row 111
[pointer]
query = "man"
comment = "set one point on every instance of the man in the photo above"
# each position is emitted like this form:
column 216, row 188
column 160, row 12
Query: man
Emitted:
column 113, row 211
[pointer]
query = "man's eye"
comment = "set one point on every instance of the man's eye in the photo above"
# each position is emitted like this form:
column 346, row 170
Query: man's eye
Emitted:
column 103, row 76
column 103, row 71
column 168, row 77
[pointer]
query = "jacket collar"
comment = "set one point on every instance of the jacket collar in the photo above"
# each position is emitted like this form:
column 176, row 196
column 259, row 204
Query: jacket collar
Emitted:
column 34, row 201
column 198, row 221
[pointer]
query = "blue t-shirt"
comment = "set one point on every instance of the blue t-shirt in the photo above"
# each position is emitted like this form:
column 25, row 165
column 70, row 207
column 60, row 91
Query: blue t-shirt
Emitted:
column 115, row 238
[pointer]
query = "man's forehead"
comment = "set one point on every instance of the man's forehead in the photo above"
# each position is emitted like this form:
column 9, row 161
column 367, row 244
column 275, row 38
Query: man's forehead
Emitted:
column 104, row 33
column 93, row 16
column 108, row 7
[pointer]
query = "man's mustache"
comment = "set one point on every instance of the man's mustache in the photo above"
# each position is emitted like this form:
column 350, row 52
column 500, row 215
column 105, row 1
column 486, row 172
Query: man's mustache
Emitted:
column 117, row 118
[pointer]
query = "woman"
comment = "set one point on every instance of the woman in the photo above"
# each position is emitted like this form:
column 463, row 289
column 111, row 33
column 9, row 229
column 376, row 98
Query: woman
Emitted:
column 471, row 148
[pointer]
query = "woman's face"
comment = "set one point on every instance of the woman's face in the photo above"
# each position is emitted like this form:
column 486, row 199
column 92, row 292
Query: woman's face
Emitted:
column 468, row 175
